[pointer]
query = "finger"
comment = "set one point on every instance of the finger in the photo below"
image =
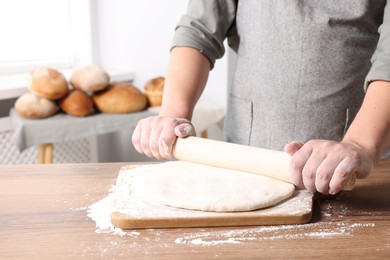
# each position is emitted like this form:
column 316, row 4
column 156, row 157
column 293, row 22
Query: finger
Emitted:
column 184, row 130
column 166, row 149
column 136, row 138
column 342, row 173
column 310, row 170
column 325, row 173
column 364, row 168
column 154, row 147
column 144, row 140
column 166, row 142
column 310, row 160
column 293, row 147
column 297, row 164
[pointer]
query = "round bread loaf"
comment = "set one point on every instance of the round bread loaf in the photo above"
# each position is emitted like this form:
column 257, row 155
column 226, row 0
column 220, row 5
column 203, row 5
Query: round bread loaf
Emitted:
column 77, row 103
column 48, row 83
column 32, row 106
column 120, row 97
column 90, row 78
column 154, row 91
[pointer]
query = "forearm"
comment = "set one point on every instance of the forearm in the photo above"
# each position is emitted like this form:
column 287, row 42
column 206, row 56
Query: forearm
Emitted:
column 371, row 128
column 186, row 78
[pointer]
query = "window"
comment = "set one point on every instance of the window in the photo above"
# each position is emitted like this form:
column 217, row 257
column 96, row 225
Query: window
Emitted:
column 35, row 33
column 50, row 33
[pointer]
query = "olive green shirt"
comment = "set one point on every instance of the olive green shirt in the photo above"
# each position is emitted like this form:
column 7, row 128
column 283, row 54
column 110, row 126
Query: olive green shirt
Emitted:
column 208, row 23
column 301, row 63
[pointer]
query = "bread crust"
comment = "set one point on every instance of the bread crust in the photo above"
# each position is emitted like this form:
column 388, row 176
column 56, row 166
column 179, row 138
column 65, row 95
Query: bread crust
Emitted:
column 77, row 103
column 90, row 78
column 154, row 91
column 32, row 106
column 48, row 83
column 119, row 98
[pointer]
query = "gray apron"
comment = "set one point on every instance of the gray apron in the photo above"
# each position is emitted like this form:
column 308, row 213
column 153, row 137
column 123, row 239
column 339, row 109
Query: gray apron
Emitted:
column 300, row 69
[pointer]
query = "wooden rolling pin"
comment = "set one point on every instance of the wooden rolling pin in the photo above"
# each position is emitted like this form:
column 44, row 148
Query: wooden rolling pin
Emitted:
column 274, row 164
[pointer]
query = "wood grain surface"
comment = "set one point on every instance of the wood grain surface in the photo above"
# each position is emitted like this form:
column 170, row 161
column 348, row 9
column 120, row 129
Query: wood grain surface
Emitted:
column 44, row 216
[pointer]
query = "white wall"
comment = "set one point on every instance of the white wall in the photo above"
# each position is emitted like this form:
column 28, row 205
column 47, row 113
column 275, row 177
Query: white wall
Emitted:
column 136, row 36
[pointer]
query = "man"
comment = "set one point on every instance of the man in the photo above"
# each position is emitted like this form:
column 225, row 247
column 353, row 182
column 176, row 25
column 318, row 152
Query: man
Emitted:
column 303, row 72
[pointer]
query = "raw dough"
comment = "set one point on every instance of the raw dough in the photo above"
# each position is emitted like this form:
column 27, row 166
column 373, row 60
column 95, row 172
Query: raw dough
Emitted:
column 198, row 187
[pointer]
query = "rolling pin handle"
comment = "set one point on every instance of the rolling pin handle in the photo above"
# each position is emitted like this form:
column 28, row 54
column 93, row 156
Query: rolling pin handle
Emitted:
column 274, row 164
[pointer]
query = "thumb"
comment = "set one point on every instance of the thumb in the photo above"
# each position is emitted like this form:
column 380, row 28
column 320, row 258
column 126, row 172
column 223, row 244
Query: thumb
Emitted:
column 292, row 147
column 184, row 130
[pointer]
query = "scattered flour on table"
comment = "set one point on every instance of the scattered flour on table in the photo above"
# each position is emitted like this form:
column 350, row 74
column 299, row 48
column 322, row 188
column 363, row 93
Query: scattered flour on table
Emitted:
column 116, row 200
column 119, row 200
column 264, row 233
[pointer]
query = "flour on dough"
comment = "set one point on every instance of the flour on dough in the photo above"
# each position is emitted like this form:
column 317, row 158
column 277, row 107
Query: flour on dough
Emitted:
column 199, row 187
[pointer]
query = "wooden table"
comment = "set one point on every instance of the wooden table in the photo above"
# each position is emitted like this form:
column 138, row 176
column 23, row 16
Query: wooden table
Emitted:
column 44, row 215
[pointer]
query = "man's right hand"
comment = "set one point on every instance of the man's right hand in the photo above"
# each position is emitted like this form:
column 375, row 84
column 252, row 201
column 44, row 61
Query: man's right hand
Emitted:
column 155, row 136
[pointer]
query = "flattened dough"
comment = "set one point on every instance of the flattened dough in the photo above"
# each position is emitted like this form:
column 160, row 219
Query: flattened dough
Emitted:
column 199, row 187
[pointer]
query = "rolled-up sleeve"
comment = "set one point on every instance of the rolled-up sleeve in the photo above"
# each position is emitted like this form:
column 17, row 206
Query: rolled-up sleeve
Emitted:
column 380, row 69
column 205, row 26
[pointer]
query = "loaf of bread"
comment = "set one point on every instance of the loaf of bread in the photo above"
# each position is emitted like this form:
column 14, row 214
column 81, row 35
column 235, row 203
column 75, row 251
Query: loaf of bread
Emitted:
column 90, row 78
column 32, row 106
column 48, row 83
column 120, row 97
column 77, row 103
column 154, row 91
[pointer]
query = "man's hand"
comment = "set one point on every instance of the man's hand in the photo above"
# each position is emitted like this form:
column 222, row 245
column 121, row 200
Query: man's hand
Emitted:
column 155, row 136
column 324, row 166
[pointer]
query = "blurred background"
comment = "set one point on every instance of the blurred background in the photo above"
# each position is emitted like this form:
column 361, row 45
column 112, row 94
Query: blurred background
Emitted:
column 130, row 39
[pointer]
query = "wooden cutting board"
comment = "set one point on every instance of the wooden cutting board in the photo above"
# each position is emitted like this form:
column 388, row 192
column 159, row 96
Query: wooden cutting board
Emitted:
column 140, row 214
